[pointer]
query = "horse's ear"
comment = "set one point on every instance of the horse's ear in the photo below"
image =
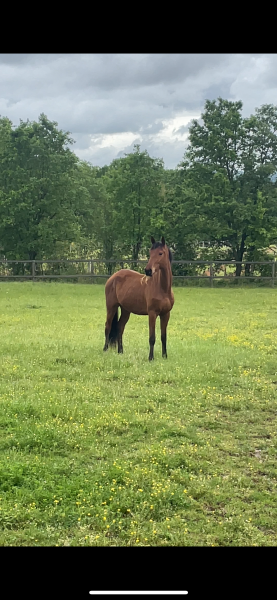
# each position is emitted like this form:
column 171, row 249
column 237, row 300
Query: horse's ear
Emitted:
column 152, row 239
column 163, row 241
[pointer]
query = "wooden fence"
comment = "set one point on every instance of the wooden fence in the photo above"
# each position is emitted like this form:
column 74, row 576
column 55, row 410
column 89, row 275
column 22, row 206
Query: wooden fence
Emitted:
column 99, row 268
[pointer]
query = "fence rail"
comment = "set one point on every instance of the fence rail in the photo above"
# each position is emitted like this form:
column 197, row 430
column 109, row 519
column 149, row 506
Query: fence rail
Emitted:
column 99, row 268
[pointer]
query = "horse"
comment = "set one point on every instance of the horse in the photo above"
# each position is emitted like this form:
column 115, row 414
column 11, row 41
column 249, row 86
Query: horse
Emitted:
column 150, row 294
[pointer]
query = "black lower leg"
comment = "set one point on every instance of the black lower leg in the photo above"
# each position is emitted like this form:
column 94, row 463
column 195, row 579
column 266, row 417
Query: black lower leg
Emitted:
column 163, row 338
column 106, row 341
column 124, row 318
column 152, row 343
column 107, row 333
column 120, row 346
column 164, row 322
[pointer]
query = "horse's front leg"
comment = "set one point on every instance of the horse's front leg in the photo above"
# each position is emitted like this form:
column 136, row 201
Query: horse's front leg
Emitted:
column 164, row 321
column 152, row 324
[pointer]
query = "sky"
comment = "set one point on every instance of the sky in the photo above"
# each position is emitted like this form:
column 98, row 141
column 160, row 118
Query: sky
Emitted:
column 109, row 102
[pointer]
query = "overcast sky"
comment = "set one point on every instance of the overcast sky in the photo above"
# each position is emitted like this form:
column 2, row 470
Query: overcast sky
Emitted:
column 109, row 102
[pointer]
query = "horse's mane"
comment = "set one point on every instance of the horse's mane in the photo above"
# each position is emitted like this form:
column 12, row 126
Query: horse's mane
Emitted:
column 160, row 245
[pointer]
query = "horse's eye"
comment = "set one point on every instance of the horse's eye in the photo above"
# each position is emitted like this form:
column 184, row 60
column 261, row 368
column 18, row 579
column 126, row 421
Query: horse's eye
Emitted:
column 160, row 253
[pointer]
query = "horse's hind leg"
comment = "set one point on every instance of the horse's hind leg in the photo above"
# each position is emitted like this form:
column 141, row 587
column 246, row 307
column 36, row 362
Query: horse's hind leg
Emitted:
column 164, row 320
column 111, row 320
column 108, row 325
column 125, row 315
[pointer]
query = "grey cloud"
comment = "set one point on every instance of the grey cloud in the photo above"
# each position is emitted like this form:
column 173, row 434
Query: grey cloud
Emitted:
column 82, row 141
column 214, row 91
column 105, row 72
column 93, row 95
column 152, row 128
column 181, row 130
column 14, row 59
column 167, row 68
column 19, row 59
column 119, row 71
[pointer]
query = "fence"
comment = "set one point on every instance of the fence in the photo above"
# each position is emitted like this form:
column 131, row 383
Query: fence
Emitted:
column 98, row 268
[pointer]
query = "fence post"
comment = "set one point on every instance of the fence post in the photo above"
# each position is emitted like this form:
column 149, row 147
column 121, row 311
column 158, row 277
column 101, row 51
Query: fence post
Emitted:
column 211, row 275
column 91, row 271
column 273, row 272
column 33, row 269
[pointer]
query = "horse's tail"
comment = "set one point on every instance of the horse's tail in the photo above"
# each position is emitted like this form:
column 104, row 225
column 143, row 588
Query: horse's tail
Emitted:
column 114, row 330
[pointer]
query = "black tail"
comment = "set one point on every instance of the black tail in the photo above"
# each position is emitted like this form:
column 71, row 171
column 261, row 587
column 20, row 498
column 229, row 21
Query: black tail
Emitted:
column 114, row 330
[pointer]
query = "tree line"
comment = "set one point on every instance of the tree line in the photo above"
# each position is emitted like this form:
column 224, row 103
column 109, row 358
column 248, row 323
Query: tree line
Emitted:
column 53, row 205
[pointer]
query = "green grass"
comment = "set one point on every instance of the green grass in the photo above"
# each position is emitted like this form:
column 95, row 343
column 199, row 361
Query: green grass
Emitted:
column 105, row 449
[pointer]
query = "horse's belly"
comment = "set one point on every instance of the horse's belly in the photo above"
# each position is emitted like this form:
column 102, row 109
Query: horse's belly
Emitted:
column 132, row 299
column 134, row 305
column 136, row 309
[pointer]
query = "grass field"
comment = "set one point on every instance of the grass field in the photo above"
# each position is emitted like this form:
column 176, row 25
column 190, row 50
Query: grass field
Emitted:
column 105, row 449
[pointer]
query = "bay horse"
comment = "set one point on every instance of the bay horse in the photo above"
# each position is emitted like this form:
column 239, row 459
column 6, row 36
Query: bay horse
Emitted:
column 148, row 294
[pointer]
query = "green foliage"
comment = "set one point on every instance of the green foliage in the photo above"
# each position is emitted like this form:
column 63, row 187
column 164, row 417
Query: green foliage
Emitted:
column 53, row 205
column 37, row 208
column 229, row 164
column 134, row 186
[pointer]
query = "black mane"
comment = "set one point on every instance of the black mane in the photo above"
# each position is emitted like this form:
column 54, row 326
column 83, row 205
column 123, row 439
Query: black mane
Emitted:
column 160, row 245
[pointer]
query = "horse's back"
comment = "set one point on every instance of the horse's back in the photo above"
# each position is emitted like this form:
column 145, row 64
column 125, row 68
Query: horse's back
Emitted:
column 123, row 275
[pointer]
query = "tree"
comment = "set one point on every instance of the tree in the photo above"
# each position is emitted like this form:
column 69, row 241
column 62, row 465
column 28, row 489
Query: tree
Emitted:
column 37, row 209
column 90, row 201
column 134, row 186
column 179, row 220
column 229, row 163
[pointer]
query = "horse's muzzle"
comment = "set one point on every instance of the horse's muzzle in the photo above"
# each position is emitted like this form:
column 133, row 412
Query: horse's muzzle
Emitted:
column 148, row 272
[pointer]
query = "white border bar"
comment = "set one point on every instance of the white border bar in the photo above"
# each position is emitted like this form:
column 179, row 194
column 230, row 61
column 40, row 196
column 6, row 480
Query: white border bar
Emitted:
column 138, row 593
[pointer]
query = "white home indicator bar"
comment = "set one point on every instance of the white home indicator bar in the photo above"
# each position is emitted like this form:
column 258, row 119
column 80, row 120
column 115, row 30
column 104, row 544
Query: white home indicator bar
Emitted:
column 138, row 593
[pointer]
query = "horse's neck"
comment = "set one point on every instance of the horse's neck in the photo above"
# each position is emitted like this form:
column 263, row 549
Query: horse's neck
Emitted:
column 165, row 276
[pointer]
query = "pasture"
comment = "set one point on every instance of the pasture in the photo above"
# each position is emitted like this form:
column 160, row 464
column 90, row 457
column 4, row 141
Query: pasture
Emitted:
column 105, row 449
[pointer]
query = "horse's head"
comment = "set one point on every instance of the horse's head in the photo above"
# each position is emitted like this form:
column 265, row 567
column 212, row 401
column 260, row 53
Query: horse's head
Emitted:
column 159, row 257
